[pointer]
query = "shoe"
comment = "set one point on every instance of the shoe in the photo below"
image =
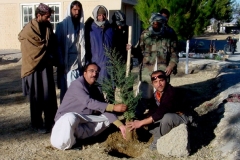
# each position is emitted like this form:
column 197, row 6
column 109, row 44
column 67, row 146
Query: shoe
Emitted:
column 42, row 130
column 153, row 146
column 77, row 146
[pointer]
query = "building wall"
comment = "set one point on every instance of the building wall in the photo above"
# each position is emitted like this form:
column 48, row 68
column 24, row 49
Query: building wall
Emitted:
column 10, row 15
column 9, row 26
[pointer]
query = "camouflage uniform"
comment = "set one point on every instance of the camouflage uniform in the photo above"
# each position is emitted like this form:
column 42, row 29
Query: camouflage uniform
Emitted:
column 156, row 50
column 152, row 48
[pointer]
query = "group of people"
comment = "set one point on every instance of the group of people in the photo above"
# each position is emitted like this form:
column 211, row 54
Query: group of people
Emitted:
column 78, row 49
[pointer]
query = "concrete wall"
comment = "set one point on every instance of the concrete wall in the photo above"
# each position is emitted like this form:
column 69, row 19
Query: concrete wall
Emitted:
column 9, row 26
column 10, row 15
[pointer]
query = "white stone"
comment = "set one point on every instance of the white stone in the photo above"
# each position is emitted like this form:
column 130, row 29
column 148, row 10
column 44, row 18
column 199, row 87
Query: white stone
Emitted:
column 175, row 143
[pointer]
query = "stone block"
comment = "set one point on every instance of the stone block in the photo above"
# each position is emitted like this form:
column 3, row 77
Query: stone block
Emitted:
column 175, row 143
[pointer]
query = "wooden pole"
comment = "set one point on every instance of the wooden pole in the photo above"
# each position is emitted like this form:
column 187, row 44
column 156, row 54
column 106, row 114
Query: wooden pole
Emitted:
column 129, row 51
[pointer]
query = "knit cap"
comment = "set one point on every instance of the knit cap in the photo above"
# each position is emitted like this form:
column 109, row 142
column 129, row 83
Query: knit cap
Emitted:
column 101, row 10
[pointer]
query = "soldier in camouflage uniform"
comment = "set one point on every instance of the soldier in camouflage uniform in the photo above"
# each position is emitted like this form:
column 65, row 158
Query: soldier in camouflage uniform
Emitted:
column 156, row 50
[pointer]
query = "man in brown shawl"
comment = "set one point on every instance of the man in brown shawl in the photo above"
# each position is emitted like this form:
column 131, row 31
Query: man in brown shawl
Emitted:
column 38, row 48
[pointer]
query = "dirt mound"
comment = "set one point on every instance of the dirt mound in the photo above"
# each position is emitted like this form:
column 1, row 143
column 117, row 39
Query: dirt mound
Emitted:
column 118, row 147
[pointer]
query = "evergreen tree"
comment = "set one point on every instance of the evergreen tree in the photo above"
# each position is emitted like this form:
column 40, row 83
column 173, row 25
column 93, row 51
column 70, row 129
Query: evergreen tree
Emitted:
column 118, row 81
column 204, row 14
column 188, row 17
column 144, row 8
column 223, row 10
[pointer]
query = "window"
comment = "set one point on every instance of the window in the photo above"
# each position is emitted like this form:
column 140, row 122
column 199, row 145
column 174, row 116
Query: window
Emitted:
column 28, row 13
column 55, row 17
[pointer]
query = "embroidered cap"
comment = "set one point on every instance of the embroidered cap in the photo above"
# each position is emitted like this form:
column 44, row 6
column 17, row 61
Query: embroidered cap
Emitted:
column 45, row 8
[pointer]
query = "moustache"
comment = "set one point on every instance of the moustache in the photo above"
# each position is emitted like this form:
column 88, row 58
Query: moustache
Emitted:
column 95, row 77
column 76, row 16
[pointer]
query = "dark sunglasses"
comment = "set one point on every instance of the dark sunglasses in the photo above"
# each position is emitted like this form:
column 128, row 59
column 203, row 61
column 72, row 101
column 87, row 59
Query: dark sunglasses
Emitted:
column 159, row 76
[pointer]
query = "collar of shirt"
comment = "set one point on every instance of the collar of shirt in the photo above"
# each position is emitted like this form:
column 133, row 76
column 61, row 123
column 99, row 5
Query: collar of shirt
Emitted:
column 157, row 96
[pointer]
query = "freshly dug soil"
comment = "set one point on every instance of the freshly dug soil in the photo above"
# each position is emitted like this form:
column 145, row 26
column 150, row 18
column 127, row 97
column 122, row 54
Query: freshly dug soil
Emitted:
column 119, row 147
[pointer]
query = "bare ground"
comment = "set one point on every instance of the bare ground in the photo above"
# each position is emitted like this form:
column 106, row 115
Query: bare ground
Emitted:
column 19, row 141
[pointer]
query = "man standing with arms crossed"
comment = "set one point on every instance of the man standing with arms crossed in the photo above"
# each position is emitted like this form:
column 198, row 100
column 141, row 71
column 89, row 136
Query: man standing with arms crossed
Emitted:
column 38, row 50
column 71, row 47
column 99, row 39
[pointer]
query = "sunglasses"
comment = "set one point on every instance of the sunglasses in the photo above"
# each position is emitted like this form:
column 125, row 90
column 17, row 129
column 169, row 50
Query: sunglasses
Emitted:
column 158, row 77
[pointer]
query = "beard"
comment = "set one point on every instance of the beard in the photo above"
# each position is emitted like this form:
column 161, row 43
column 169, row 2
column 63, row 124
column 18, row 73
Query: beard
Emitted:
column 76, row 17
column 43, row 22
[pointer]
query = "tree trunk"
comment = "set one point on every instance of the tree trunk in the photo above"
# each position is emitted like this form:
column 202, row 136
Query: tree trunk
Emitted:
column 118, row 95
column 129, row 134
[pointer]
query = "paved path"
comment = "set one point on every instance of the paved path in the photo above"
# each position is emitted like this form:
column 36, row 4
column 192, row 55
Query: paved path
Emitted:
column 226, row 143
column 10, row 55
column 9, row 51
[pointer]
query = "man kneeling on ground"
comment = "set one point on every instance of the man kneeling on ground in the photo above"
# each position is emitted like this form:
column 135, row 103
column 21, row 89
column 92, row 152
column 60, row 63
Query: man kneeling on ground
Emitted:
column 163, row 114
column 84, row 112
